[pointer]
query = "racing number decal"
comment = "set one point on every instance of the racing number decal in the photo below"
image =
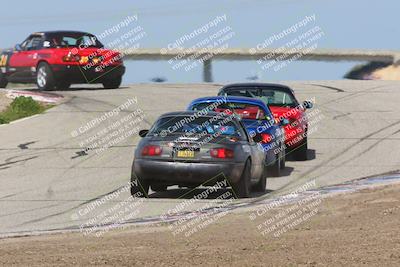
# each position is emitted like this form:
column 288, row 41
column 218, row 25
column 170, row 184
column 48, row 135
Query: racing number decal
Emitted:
column 3, row 60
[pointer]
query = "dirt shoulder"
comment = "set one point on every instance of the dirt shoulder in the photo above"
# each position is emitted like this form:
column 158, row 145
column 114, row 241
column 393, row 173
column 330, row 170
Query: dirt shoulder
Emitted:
column 391, row 73
column 349, row 230
column 4, row 101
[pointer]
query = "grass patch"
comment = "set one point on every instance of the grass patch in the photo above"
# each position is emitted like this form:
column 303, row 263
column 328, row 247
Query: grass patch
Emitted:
column 22, row 107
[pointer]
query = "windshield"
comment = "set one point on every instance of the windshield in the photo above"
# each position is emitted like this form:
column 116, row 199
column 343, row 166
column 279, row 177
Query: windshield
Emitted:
column 72, row 39
column 185, row 125
column 246, row 92
column 277, row 98
column 271, row 97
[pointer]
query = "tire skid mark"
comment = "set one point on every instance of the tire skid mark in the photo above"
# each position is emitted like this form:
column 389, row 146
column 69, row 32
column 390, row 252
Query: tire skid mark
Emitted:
column 108, row 104
column 303, row 177
column 351, row 95
column 345, row 150
column 29, row 210
column 69, row 209
column 373, row 145
column 9, row 195
column 359, row 154
column 79, row 108
column 326, row 191
column 342, row 115
column 69, row 103
column 9, row 161
column 74, row 166
column 62, row 175
column 328, row 87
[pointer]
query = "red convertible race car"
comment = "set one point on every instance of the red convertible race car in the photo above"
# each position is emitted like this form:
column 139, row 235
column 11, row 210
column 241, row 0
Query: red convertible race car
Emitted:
column 57, row 59
column 283, row 104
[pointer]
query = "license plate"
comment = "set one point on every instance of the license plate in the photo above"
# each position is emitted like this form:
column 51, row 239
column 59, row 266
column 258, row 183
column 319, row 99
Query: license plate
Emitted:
column 186, row 153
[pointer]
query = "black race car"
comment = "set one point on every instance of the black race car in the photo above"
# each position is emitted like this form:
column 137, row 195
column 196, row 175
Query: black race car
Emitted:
column 188, row 149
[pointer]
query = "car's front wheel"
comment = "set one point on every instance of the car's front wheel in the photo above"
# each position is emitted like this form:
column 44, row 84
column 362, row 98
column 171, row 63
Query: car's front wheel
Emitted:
column 301, row 151
column 3, row 81
column 112, row 83
column 242, row 187
column 44, row 77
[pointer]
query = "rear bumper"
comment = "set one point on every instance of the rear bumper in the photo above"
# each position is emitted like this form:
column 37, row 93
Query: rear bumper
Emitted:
column 294, row 136
column 79, row 74
column 186, row 173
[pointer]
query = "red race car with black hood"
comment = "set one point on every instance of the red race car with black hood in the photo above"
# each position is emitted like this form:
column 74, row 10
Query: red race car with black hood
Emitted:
column 283, row 104
column 57, row 59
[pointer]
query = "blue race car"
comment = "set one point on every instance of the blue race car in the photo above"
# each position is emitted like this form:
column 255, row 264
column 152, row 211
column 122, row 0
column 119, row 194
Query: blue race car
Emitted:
column 258, row 121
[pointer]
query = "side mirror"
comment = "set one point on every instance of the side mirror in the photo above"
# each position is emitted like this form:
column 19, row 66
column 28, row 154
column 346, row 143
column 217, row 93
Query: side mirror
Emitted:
column 143, row 133
column 308, row 104
column 18, row 47
column 284, row 122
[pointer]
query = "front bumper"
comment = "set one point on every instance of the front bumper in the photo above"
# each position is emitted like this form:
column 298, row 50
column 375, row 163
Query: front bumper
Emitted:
column 79, row 74
column 171, row 172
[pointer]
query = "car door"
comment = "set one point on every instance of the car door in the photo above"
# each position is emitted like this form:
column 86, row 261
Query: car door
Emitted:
column 23, row 61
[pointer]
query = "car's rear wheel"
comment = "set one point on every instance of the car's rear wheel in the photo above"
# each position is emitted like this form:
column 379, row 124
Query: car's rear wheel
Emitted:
column 262, row 183
column 158, row 187
column 139, row 187
column 242, row 187
column 301, row 151
column 112, row 83
column 275, row 169
column 3, row 81
column 44, row 77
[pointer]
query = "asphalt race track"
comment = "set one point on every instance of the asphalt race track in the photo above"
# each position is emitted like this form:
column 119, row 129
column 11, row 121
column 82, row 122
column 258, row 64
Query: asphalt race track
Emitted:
column 46, row 178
